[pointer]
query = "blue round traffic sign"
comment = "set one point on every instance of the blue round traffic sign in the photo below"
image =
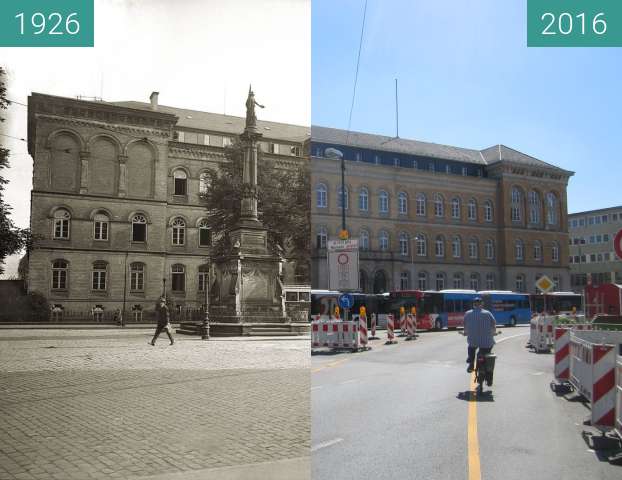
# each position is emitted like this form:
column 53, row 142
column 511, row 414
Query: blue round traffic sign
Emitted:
column 346, row 300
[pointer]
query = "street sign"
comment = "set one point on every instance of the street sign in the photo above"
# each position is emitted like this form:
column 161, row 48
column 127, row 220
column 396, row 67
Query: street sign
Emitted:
column 346, row 301
column 617, row 244
column 545, row 284
column 343, row 265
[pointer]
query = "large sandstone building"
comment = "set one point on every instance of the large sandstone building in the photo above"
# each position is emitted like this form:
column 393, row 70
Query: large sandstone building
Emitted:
column 116, row 210
column 432, row 216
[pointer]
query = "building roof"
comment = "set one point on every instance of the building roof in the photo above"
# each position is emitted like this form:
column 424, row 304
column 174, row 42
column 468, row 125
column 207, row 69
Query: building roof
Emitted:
column 599, row 210
column 488, row 156
column 217, row 122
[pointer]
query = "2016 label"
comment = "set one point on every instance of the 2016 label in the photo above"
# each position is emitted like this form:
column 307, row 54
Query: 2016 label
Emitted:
column 566, row 23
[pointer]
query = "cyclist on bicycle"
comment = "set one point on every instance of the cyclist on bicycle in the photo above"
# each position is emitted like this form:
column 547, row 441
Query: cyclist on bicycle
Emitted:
column 479, row 328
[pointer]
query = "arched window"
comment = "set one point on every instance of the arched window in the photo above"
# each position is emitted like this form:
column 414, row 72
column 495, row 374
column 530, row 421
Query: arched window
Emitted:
column 364, row 239
column 537, row 250
column 178, row 278
column 551, row 209
column 489, row 249
column 488, row 211
column 321, row 237
column 422, row 245
column 516, row 205
column 179, row 231
column 472, row 210
column 321, row 196
column 60, row 273
column 101, row 224
column 402, row 203
column 137, row 277
column 474, row 281
column 422, row 281
column 205, row 234
column 534, row 207
column 520, row 283
column 342, row 198
column 180, row 180
column 439, row 205
column 139, row 228
column 203, row 277
column 62, row 220
column 440, row 281
column 383, row 202
column 404, row 281
column 205, row 182
column 519, row 250
column 490, row 281
column 383, row 239
column 439, row 246
column 456, row 247
column 455, row 208
column 473, row 248
column 404, row 240
column 420, row 204
column 98, row 275
column 458, row 281
column 555, row 252
column 364, row 200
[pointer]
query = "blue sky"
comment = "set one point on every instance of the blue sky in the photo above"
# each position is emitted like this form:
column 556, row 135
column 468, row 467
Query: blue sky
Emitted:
column 467, row 78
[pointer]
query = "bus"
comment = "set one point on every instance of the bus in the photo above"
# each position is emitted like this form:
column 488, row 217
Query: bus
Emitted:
column 508, row 308
column 435, row 310
column 556, row 303
column 323, row 303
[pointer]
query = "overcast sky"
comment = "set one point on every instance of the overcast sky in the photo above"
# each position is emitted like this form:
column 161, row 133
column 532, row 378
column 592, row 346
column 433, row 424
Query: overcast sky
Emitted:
column 199, row 54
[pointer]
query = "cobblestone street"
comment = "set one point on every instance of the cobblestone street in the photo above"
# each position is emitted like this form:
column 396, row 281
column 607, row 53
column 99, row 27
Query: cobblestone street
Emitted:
column 82, row 404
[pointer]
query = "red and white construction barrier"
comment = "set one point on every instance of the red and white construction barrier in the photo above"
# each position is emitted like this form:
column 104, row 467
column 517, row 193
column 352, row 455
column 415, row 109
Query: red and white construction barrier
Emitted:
column 562, row 354
column 618, row 420
column 592, row 372
column 390, row 330
column 335, row 334
column 373, row 327
column 410, row 326
column 363, row 330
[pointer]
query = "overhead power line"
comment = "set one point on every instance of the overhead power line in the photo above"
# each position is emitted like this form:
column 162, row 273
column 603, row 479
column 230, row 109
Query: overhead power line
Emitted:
column 356, row 74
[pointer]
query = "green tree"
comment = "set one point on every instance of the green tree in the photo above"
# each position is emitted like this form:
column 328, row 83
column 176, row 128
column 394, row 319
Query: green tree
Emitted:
column 12, row 239
column 283, row 200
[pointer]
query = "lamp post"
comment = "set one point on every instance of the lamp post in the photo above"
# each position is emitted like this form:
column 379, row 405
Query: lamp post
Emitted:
column 205, row 324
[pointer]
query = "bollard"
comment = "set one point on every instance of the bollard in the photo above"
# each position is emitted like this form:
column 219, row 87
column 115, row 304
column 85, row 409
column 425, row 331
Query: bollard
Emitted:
column 390, row 330
column 410, row 325
column 337, row 313
column 363, row 328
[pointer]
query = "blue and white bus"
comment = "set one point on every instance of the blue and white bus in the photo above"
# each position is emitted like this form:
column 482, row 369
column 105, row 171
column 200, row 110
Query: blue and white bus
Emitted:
column 507, row 307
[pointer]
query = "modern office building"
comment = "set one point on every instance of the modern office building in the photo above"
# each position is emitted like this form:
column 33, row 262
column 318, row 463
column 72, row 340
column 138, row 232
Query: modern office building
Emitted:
column 592, row 255
column 116, row 211
column 432, row 216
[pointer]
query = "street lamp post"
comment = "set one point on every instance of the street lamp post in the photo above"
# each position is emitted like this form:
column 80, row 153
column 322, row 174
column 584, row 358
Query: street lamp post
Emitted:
column 205, row 324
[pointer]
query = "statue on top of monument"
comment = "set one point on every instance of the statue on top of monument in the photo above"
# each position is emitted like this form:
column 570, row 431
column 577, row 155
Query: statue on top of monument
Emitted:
column 251, row 118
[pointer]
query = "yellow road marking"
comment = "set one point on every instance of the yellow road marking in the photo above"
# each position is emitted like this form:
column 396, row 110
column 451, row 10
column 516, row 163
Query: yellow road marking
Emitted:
column 330, row 365
column 472, row 440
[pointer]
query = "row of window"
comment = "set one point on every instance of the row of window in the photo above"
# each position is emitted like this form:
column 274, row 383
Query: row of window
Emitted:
column 101, row 228
column 534, row 205
column 429, row 165
column 601, row 238
column 596, row 219
column 458, row 281
column 581, row 279
column 421, row 245
column 137, row 270
column 224, row 141
column 594, row 257
column 321, row 195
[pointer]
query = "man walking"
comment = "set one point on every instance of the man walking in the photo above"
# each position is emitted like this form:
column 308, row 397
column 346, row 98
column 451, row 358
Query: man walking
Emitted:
column 479, row 328
column 164, row 321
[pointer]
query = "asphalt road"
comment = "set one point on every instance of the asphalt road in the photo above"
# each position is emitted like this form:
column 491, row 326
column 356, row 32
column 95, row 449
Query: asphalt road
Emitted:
column 405, row 411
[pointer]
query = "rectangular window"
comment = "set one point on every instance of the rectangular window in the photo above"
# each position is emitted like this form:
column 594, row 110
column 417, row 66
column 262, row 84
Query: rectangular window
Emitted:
column 99, row 280
column 179, row 282
column 139, row 232
column 604, row 218
column 59, row 279
column 582, row 222
column 206, row 139
column 597, row 220
column 137, row 281
column 181, row 136
column 274, row 148
column 464, row 171
column 61, row 228
column 205, row 237
column 101, row 230
column 226, row 141
column 191, row 137
column 180, row 186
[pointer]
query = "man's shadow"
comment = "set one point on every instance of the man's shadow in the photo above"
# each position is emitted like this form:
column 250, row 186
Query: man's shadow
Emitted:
column 473, row 396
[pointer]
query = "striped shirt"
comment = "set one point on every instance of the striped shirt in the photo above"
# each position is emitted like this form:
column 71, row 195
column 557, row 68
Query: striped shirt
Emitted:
column 479, row 327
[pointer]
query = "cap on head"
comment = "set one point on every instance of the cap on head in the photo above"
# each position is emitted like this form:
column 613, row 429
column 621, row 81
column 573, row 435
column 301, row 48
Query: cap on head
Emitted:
column 477, row 299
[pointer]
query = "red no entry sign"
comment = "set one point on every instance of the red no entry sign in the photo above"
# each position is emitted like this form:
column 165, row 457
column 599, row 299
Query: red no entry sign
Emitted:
column 617, row 244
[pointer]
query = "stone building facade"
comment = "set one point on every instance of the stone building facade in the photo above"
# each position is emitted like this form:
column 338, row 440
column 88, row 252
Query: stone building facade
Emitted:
column 115, row 208
column 431, row 216
column 592, row 254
